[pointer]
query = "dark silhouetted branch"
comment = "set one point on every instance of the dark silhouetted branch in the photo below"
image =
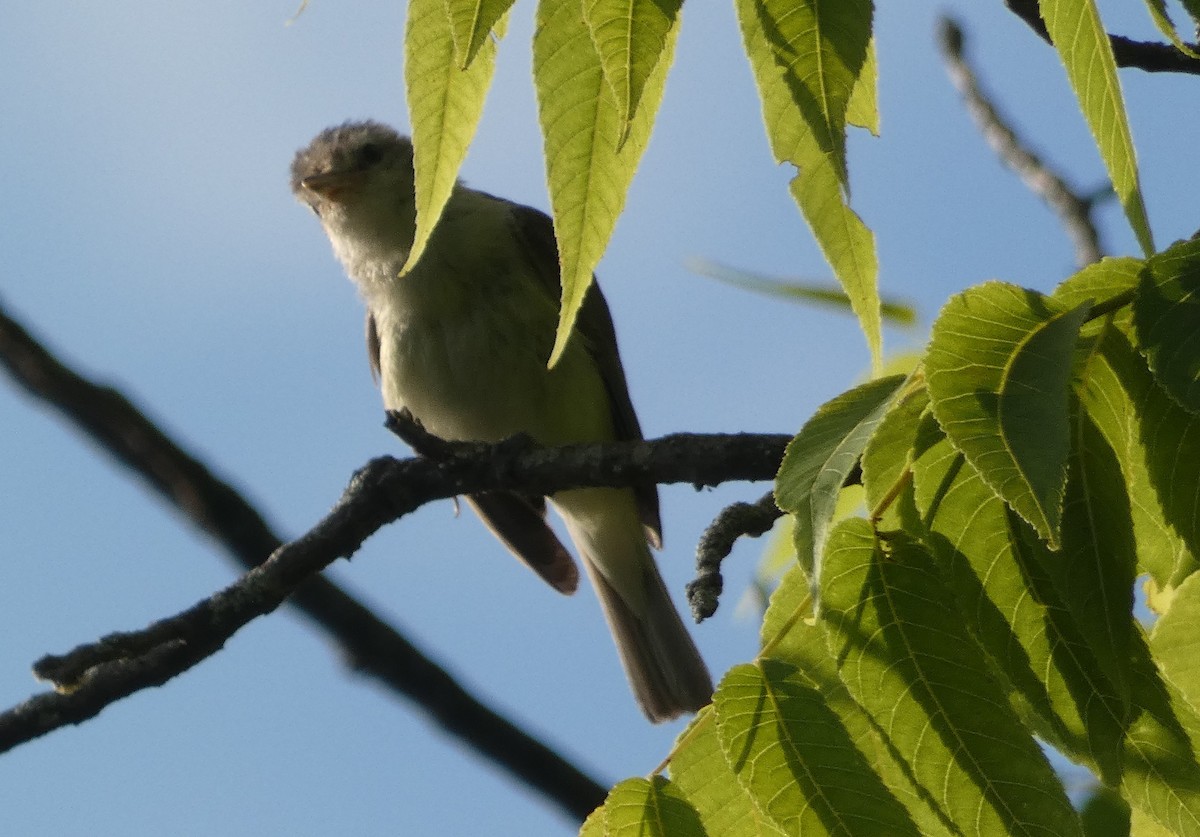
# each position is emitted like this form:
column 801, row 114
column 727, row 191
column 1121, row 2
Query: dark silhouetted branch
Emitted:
column 1139, row 55
column 96, row 675
column 371, row 646
column 383, row 491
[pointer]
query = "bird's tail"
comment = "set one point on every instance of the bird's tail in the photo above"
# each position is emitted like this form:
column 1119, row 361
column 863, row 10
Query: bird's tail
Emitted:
column 664, row 667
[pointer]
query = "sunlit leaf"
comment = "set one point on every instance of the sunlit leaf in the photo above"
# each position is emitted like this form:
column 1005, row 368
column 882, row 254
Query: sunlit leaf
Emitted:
column 862, row 111
column 631, row 36
column 1166, row 312
column 444, row 103
column 1011, row 605
column 471, row 24
column 889, row 451
column 821, row 456
column 1162, row 19
column 1082, row 42
column 1158, row 445
column 594, row 825
column 999, row 366
column 1161, row 775
column 1099, row 282
column 649, row 808
column 807, row 59
column 588, row 166
column 1176, row 642
column 792, row 754
column 1099, row 556
column 908, row 660
column 791, row 634
column 702, row 774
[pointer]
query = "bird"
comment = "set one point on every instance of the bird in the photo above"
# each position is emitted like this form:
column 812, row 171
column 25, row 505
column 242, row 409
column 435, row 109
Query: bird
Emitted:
column 461, row 342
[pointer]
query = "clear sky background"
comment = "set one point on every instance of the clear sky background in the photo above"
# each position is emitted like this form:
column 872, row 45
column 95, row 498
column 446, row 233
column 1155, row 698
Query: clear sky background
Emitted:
column 149, row 236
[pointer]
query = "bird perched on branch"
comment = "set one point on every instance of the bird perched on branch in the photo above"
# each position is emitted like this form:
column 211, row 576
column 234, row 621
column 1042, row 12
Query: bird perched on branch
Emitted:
column 462, row 340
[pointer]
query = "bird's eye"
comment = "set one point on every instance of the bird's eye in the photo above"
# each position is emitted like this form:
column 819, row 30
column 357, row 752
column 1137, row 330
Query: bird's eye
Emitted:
column 369, row 154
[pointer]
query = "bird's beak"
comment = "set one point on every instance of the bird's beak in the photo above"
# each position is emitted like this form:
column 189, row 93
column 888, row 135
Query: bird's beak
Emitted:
column 336, row 186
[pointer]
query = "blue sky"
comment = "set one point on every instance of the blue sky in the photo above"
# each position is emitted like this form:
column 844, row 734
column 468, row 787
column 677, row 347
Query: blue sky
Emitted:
column 150, row 237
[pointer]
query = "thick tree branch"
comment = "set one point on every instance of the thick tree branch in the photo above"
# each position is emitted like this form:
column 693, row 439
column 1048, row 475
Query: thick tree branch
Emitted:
column 1140, row 55
column 370, row 645
column 1074, row 211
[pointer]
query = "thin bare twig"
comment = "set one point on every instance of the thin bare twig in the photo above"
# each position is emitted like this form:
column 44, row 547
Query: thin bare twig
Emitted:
column 1074, row 211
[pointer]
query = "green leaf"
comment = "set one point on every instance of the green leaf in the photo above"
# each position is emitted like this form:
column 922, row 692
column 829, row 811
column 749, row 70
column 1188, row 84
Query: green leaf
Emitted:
column 820, row 458
column 1176, row 642
column 888, row 453
column 471, row 22
column 1141, row 824
column 701, row 773
column 896, row 311
column 445, row 103
column 1193, row 9
column 1082, row 43
column 631, row 36
column 1099, row 556
column 1161, row 775
column 1166, row 311
column 819, row 48
column 862, row 111
column 649, row 808
column 793, row 755
column 848, row 245
column 1158, row 13
column 908, row 660
column 588, row 167
column 594, row 825
column 808, row 58
column 997, row 569
column 791, row 635
column 998, row 366
column 1099, row 282
column 1158, row 445
column 1105, row 814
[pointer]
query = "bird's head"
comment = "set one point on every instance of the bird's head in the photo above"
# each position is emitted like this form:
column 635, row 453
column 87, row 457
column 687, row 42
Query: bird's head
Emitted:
column 355, row 173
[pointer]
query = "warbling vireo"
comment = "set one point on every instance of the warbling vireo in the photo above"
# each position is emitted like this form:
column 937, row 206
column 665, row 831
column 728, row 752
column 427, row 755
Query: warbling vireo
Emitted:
column 462, row 341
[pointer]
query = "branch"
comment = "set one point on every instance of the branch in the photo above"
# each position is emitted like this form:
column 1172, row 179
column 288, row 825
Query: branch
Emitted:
column 1140, row 55
column 1074, row 211
column 122, row 664
column 371, row 646
column 753, row 519
column 385, row 490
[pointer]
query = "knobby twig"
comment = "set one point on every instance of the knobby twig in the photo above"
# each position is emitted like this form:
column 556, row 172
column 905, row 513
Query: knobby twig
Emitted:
column 1140, row 55
column 1074, row 211
column 752, row 519
column 370, row 645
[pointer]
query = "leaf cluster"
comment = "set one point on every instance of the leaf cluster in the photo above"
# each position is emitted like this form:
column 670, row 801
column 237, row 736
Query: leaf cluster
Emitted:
column 1042, row 457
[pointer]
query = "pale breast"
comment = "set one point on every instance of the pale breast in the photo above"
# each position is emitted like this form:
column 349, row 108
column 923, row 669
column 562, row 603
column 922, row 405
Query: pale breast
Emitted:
column 464, row 343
